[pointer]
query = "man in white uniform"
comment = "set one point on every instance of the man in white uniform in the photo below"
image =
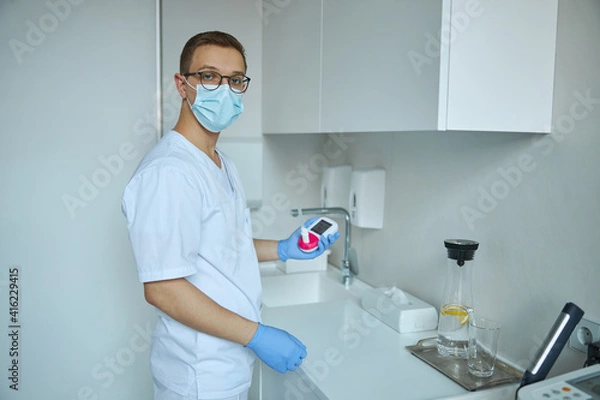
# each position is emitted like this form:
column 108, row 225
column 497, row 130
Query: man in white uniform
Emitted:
column 191, row 237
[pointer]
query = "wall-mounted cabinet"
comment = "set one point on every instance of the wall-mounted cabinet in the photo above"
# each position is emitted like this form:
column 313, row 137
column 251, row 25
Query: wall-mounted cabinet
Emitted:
column 406, row 65
column 369, row 85
column 292, row 68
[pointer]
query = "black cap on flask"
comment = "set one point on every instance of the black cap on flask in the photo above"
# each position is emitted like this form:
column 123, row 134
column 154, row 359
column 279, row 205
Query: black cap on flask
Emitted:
column 461, row 250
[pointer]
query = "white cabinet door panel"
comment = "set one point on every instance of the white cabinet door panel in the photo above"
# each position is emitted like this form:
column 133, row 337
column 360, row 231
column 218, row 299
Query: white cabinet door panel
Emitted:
column 292, row 68
column 369, row 82
column 501, row 67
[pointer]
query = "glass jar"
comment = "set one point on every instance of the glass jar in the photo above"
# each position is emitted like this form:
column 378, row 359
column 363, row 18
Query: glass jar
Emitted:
column 457, row 301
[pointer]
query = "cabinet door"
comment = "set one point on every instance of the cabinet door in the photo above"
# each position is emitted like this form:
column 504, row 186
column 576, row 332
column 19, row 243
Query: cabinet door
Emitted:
column 501, row 65
column 182, row 19
column 292, row 66
column 369, row 81
column 293, row 385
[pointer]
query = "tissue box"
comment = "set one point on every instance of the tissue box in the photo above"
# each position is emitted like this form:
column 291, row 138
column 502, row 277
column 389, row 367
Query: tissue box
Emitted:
column 316, row 264
column 400, row 310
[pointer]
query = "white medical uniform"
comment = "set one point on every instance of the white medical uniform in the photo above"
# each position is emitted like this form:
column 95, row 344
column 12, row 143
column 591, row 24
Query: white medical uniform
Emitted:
column 188, row 218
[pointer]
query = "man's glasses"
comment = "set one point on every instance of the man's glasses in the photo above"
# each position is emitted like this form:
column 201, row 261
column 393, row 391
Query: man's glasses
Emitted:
column 211, row 80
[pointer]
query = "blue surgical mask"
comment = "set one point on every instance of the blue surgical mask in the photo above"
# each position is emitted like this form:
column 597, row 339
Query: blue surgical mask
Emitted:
column 216, row 109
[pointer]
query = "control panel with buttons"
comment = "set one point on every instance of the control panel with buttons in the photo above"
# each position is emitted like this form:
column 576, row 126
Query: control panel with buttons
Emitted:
column 560, row 392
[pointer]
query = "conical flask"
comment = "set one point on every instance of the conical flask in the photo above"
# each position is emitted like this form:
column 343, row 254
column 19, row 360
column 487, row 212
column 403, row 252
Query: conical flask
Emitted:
column 457, row 302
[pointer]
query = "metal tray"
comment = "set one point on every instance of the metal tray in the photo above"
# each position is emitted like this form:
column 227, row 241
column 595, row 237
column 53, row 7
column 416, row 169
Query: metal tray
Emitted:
column 457, row 370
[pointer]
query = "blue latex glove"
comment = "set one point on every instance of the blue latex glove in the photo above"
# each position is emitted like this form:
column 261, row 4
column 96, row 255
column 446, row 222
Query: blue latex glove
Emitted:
column 277, row 348
column 288, row 248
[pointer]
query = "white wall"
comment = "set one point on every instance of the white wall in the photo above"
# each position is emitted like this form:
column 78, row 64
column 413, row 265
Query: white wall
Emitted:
column 539, row 245
column 78, row 89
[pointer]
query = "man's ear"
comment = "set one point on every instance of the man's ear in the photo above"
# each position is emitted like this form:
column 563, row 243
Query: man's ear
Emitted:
column 180, row 84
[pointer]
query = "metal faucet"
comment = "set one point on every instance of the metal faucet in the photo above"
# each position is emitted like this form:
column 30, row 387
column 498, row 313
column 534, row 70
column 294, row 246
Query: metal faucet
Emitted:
column 345, row 267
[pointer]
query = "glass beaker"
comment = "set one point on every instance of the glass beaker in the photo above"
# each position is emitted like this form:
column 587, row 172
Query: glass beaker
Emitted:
column 457, row 302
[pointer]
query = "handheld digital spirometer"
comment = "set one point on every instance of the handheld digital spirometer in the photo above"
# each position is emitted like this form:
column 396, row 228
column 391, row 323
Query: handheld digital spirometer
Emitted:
column 310, row 236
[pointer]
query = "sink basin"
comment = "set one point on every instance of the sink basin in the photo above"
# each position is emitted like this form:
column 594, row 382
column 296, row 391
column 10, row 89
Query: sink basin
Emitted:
column 307, row 287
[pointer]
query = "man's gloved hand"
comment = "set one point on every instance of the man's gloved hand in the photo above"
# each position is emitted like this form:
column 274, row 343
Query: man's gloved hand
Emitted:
column 288, row 248
column 277, row 348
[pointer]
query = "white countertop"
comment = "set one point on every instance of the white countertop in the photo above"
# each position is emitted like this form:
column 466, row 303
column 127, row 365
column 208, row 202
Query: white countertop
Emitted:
column 352, row 355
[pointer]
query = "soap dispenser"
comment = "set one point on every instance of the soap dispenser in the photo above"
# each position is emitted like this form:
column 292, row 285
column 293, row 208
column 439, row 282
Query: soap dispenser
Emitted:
column 457, row 303
column 335, row 186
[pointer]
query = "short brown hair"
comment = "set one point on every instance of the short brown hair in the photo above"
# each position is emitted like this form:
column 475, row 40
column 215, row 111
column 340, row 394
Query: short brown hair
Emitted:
column 215, row 38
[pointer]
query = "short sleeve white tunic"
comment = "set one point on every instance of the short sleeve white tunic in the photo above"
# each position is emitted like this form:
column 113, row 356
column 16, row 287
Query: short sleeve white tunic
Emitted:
column 184, row 220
